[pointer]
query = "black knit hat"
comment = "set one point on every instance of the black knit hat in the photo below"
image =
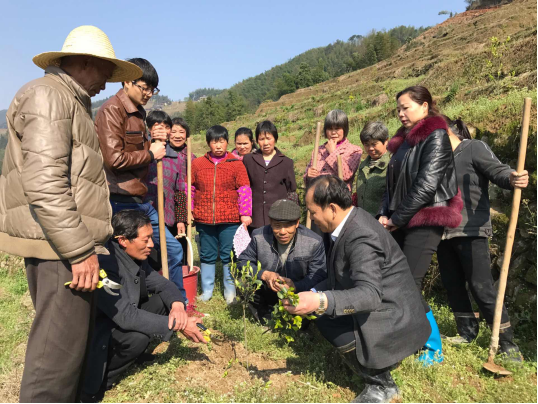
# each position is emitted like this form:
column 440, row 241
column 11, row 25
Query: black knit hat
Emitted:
column 285, row 210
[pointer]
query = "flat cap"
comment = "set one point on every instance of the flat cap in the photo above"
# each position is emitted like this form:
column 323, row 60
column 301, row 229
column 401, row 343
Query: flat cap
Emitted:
column 285, row 210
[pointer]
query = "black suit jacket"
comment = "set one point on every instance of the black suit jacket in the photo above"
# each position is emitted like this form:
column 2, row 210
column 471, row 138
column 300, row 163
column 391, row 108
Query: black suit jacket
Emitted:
column 369, row 278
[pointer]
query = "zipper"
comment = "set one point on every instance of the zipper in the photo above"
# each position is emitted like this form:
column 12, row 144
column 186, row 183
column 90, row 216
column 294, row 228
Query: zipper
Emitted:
column 214, row 195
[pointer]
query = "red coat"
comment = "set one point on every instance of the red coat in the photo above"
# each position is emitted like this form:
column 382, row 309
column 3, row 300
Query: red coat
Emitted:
column 222, row 190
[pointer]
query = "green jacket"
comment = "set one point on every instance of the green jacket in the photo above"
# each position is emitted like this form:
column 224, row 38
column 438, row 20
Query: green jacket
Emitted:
column 371, row 183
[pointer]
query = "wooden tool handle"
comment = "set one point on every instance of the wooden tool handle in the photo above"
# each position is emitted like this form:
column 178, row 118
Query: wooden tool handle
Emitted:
column 314, row 165
column 162, row 228
column 340, row 169
column 511, row 233
column 189, row 199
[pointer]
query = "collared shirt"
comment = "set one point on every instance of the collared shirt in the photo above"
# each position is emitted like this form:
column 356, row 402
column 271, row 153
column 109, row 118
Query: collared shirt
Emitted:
column 336, row 232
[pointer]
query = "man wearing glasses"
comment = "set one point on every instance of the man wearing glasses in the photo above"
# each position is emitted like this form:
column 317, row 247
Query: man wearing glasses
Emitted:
column 128, row 151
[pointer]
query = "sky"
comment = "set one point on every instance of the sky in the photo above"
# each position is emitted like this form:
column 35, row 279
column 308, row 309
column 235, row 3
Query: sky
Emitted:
column 199, row 43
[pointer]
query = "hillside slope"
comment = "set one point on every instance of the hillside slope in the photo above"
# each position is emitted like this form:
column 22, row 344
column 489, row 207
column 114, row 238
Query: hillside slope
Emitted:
column 479, row 65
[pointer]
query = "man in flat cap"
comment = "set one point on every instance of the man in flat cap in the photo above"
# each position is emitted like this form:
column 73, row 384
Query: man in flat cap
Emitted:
column 290, row 254
column 54, row 209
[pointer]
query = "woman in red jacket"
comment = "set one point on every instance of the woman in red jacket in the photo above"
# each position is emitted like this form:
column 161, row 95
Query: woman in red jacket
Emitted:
column 222, row 201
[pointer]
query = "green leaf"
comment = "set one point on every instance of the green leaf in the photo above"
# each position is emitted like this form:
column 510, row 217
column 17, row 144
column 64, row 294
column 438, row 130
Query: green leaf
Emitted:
column 280, row 295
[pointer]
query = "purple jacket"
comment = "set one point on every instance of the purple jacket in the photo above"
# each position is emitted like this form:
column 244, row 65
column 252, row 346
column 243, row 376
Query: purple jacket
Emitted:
column 174, row 179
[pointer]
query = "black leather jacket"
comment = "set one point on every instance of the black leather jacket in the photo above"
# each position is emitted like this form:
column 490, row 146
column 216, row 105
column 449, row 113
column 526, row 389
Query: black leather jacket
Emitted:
column 427, row 179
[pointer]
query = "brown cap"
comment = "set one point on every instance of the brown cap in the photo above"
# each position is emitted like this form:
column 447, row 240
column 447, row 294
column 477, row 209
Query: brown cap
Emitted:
column 285, row 210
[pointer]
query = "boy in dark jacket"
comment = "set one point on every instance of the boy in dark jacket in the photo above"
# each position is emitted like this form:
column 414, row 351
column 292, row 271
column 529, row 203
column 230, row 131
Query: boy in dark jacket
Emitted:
column 463, row 254
column 290, row 254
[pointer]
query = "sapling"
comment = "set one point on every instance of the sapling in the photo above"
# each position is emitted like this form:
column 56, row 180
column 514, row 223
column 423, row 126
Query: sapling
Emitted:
column 246, row 283
column 282, row 321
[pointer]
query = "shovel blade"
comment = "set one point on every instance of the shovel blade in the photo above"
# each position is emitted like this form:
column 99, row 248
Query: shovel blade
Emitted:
column 498, row 370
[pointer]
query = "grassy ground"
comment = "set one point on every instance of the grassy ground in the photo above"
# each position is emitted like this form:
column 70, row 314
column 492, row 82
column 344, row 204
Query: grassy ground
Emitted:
column 307, row 370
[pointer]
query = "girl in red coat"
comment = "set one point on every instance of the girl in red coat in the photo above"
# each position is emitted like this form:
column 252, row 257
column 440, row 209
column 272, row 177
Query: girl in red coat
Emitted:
column 222, row 202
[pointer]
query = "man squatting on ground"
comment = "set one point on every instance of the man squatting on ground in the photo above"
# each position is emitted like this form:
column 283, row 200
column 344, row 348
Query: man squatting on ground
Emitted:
column 147, row 306
column 128, row 152
column 369, row 307
column 54, row 209
column 290, row 255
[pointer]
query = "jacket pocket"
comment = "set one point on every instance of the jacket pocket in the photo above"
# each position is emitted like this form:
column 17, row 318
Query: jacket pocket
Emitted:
column 134, row 141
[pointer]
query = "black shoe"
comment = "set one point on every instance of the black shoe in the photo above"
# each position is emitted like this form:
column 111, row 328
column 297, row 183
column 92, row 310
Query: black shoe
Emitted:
column 467, row 325
column 145, row 357
column 374, row 393
column 379, row 385
column 92, row 398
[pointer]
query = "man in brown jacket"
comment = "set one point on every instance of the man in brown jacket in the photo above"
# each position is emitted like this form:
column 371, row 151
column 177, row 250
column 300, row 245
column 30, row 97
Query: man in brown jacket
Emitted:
column 54, row 207
column 128, row 152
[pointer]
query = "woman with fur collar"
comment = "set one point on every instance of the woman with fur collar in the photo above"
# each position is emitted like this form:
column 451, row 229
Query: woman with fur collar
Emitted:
column 422, row 195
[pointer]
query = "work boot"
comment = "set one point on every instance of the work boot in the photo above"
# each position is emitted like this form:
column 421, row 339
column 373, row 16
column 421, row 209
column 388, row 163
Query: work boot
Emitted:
column 507, row 345
column 379, row 386
column 207, row 275
column 229, row 285
column 467, row 325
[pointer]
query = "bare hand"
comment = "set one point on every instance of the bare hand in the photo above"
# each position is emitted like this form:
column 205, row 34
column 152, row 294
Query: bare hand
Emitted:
column 181, row 228
column 312, row 172
column 159, row 132
column 383, row 220
column 192, row 332
column 158, row 149
column 270, row 278
column 281, row 281
column 177, row 313
column 308, row 303
column 519, row 180
column 390, row 226
column 246, row 220
column 85, row 274
column 331, row 145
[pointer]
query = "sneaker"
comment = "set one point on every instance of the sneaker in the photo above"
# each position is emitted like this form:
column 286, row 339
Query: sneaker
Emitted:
column 192, row 312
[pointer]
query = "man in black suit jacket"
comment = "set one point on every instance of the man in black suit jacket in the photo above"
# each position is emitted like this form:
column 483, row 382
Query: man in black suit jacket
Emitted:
column 147, row 306
column 369, row 307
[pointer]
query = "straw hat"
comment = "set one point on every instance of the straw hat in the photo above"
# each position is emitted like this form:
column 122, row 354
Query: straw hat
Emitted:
column 90, row 41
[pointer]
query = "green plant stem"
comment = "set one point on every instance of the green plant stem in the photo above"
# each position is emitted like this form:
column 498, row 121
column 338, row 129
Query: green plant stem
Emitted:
column 245, row 331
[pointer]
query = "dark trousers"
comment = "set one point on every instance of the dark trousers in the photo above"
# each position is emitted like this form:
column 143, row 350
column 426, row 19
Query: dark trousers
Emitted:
column 60, row 334
column 340, row 332
column 418, row 245
column 263, row 302
column 466, row 260
column 125, row 346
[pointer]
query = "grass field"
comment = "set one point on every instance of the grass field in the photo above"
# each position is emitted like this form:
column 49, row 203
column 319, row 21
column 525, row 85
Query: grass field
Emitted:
column 307, row 370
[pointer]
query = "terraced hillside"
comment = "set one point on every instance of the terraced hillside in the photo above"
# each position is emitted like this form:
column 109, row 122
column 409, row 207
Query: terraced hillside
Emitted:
column 479, row 65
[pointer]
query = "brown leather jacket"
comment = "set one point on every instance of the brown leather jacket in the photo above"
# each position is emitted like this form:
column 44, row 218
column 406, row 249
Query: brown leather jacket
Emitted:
column 124, row 145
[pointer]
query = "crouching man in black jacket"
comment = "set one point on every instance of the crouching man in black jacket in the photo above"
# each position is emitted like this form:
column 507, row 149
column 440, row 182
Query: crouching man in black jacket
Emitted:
column 290, row 254
column 147, row 306
column 369, row 307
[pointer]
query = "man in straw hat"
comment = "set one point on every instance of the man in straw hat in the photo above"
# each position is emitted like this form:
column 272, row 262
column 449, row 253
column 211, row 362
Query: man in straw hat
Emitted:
column 55, row 211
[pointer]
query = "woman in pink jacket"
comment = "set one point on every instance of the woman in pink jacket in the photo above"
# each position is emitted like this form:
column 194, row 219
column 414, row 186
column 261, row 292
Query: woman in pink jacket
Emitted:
column 336, row 128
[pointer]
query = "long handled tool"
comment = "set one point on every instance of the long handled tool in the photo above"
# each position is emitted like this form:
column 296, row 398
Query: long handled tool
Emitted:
column 162, row 229
column 490, row 364
column 340, row 169
column 189, row 201
column 314, row 165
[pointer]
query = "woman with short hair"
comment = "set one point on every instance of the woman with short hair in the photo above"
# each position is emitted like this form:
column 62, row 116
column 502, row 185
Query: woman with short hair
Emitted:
column 271, row 174
column 222, row 202
column 463, row 255
column 335, row 128
column 421, row 197
column 372, row 171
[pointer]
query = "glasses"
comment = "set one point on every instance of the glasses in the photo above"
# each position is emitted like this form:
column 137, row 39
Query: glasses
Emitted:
column 155, row 91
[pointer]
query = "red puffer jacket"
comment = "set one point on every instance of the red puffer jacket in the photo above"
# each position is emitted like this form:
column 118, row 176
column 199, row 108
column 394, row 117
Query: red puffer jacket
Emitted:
column 223, row 191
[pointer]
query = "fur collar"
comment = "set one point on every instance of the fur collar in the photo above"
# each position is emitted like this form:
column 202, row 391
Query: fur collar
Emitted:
column 419, row 133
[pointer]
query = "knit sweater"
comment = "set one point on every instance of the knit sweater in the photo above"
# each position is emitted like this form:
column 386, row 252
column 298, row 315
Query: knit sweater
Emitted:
column 223, row 191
